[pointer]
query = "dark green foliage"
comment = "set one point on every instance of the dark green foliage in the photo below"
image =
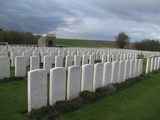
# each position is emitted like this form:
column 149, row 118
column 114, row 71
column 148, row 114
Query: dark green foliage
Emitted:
column 141, row 56
column 15, row 37
column 129, row 82
column 87, row 96
column 110, row 89
column 65, row 106
column 78, row 102
column 6, row 80
column 138, row 102
column 148, row 45
column 122, row 39
column 44, row 113
column 97, row 61
column 100, row 93
column 105, row 91
column 144, row 76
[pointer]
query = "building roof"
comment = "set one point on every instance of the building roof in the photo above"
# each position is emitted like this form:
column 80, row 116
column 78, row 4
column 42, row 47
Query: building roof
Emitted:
column 48, row 35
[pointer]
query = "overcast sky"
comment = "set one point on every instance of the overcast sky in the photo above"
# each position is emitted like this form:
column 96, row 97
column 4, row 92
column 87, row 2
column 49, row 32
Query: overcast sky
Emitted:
column 88, row 19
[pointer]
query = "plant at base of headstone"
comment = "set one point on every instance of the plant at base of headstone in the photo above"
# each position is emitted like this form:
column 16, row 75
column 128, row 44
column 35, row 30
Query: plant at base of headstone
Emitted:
column 111, row 89
column 100, row 93
column 65, row 106
column 87, row 96
column 42, row 113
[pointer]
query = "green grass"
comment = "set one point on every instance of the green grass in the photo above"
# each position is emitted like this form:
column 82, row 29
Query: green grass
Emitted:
column 13, row 100
column 139, row 102
column 77, row 43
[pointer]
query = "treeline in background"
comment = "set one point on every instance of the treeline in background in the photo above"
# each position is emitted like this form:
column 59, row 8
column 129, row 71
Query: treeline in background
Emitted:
column 148, row 45
column 15, row 37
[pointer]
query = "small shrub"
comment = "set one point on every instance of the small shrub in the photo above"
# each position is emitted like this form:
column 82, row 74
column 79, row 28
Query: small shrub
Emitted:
column 78, row 101
column 65, row 106
column 100, row 90
column 42, row 113
column 87, row 96
column 111, row 89
column 100, row 93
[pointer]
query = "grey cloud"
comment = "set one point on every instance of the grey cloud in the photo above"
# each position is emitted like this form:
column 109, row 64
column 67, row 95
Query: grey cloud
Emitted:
column 92, row 19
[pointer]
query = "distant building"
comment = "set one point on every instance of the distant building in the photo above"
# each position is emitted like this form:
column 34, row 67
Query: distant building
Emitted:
column 47, row 40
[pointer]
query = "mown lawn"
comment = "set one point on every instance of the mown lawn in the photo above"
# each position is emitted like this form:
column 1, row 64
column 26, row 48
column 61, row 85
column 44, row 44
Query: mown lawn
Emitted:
column 77, row 43
column 13, row 100
column 139, row 102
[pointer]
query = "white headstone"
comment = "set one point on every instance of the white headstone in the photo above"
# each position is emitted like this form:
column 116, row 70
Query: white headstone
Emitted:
column 57, row 85
column 98, row 76
column 113, row 57
column 77, row 60
column 85, row 59
column 97, row 55
column 155, row 63
column 47, row 64
column 53, row 54
column 87, row 77
column 125, row 57
column 58, row 61
column 148, row 65
column 104, row 58
column 117, row 57
column 69, row 61
column 27, row 56
column 42, row 56
column 74, row 81
column 60, row 53
column 20, row 66
column 121, row 57
column 140, row 66
column 36, row 54
column 37, row 89
column 136, row 67
column 3, row 54
column 34, row 62
column 13, row 56
column 152, row 64
column 126, row 69
column 158, row 63
column 115, row 72
column 132, row 69
column 121, row 71
column 107, row 73
column 4, row 67
column 109, row 58
column 91, row 59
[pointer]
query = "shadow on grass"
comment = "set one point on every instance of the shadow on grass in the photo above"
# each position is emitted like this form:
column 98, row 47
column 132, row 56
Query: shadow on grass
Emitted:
column 11, row 79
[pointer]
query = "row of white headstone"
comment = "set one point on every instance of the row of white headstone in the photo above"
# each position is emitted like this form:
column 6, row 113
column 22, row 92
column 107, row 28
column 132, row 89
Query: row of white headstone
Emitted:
column 103, row 57
column 153, row 63
column 71, row 51
column 20, row 62
column 67, row 85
